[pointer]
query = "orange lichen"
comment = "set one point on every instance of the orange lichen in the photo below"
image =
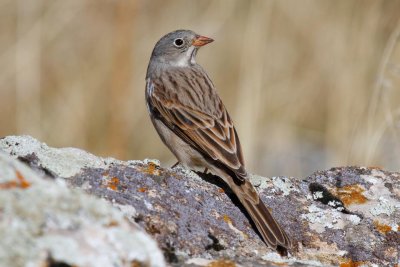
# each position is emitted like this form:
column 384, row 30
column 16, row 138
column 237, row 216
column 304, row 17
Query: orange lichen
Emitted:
column 280, row 263
column 113, row 184
column 20, row 182
column 351, row 194
column 351, row 263
column 221, row 263
column 8, row 185
column 136, row 263
column 383, row 228
column 221, row 190
column 142, row 189
column 112, row 223
column 151, row 168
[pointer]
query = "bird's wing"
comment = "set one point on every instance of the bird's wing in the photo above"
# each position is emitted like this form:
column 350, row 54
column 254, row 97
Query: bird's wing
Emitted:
column 201, row 120
column 208, row 129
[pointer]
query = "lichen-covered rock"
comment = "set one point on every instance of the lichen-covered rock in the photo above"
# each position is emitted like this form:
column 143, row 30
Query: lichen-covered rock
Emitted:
column 45, row 223
column 346, row 216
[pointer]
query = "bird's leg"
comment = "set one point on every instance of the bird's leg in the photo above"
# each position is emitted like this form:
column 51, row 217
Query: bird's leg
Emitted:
column 176, row 164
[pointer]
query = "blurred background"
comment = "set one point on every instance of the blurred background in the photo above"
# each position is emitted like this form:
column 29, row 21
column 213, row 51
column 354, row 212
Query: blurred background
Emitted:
column 310, row 84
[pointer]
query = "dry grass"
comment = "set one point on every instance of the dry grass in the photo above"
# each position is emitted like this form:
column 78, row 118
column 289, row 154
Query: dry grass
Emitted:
column 311, row 84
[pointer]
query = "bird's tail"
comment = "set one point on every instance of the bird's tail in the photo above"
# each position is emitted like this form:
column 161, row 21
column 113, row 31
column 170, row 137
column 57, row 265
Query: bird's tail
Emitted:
column 271, row 232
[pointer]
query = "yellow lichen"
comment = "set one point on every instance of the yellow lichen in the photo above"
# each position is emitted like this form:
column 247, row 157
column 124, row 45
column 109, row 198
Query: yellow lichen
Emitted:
column 221, row 263
column 227, row 219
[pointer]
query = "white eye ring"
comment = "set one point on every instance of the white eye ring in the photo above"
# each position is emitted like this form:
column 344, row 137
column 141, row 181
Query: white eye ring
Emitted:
column 179, row 42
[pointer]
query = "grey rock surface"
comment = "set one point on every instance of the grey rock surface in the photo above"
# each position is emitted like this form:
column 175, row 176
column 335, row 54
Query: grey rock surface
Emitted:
column 43, row 222
column 346, row 216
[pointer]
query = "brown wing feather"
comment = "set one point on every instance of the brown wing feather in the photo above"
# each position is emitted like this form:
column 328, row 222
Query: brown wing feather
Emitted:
column 207, row 128
column 201, row 120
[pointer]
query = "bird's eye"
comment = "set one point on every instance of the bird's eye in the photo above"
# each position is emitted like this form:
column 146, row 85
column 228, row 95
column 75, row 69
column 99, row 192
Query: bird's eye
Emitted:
column 178, row 42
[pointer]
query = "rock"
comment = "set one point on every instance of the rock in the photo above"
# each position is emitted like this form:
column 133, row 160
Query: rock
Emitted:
column 45, row 223
column 348, row 216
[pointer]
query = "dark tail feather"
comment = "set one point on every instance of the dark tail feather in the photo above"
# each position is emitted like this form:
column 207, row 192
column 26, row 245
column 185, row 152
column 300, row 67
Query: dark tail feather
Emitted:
column 269, row 229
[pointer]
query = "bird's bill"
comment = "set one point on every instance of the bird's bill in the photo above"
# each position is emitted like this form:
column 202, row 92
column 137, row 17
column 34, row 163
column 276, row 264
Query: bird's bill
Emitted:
column 201, row 40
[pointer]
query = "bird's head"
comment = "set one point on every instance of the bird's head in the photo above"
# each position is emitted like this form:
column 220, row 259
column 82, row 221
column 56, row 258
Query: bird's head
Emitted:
column 179, row 48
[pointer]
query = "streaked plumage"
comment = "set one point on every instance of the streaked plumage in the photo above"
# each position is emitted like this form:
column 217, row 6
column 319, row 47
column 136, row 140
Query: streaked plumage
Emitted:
column 194, row 124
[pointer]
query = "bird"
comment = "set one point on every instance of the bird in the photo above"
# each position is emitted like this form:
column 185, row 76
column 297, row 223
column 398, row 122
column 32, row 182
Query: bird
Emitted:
column 192, row 121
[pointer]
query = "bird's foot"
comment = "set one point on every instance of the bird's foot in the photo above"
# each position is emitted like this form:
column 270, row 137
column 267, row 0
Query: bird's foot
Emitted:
column 176, row 164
